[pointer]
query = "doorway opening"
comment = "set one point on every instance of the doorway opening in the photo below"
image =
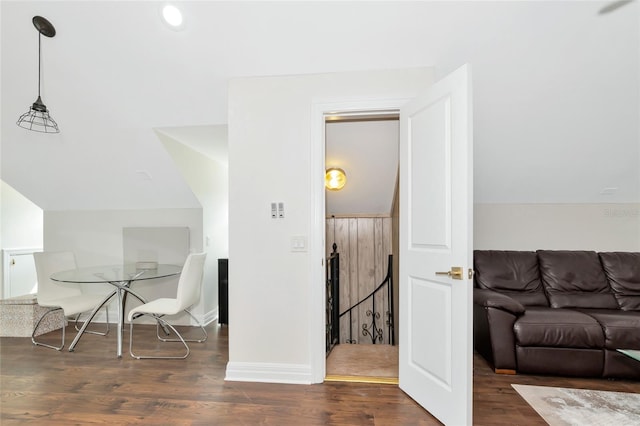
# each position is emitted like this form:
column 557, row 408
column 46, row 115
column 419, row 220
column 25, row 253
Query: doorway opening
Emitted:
column 361, row 236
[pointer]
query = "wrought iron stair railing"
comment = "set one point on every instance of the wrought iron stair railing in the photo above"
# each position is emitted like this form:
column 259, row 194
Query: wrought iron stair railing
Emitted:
column 374, row 329
column 333, row 299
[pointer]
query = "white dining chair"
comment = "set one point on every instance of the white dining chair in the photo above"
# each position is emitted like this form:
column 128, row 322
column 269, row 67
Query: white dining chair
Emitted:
column 67, row 297
column 188, row 294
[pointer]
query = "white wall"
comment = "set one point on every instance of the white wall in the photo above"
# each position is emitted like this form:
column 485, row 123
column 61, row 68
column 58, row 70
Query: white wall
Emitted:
column 209, row 181
column 95, row 236
column 270, row 138
column 600, row 227
column 1, row 186
column 22, row 221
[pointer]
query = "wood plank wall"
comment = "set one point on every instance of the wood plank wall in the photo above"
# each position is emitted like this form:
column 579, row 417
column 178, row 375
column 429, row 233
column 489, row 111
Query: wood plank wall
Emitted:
column 364, row 244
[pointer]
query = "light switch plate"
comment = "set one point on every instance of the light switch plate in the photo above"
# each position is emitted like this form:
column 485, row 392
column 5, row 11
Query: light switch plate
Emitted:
column 298, row 243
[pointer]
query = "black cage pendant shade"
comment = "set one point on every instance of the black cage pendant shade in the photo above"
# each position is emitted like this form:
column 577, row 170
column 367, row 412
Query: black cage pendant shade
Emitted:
column 38, row 118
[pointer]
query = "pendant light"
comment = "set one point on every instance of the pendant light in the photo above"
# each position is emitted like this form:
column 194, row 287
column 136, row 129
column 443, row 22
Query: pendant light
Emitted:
column 38, row 118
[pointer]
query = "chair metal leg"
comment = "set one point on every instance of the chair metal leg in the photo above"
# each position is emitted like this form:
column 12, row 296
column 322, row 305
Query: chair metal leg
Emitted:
column 99, row 333
column 33, row 334
column 124, row 305
column 186, row 340
column 163, row 323
column 142, row 299
column 88, row 320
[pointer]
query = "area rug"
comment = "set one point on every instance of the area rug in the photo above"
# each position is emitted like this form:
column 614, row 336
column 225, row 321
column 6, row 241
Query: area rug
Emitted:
column 583, row 407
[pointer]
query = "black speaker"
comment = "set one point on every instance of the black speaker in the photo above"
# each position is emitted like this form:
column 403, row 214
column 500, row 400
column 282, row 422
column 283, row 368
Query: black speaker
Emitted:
column 223, row 291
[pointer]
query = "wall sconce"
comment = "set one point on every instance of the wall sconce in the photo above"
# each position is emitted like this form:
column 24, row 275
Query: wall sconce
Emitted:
column 335, row 179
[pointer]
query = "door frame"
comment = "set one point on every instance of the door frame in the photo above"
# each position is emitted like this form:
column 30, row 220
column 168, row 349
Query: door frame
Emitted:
column 317, row 251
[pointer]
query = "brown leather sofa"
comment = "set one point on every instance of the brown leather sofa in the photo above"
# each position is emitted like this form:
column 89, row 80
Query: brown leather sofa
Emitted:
column 558, row 312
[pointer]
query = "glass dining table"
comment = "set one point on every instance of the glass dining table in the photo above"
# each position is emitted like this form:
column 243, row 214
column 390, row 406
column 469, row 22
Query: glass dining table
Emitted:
column 120, row 277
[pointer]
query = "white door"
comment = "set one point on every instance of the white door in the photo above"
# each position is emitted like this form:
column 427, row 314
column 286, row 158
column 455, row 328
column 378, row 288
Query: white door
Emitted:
column 436, row 203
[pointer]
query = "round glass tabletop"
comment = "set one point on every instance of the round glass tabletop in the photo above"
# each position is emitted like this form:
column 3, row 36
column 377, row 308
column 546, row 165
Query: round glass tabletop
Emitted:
column 115, row 273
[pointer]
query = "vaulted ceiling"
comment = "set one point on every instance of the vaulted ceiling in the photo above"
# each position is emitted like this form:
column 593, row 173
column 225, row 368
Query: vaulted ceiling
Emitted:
column 367, row 151
column 556, row 88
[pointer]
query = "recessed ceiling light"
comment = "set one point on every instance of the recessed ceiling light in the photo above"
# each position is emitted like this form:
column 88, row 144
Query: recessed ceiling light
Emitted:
column 172, row 16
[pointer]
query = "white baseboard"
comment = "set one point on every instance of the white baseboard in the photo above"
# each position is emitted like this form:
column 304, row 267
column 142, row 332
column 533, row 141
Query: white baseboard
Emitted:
column 268, row 373
column 209, row 317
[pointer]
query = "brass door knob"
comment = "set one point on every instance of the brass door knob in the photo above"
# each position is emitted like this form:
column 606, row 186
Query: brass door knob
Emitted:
column 455, row 273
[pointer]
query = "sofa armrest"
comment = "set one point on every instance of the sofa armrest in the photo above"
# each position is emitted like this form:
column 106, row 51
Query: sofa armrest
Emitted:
column 494, row 338
column 493, row 299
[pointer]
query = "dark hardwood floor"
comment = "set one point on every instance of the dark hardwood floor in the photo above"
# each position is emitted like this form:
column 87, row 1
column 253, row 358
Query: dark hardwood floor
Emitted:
column 41, row 386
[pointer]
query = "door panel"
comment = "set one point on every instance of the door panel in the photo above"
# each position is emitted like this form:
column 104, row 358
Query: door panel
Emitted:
column 430, row 191
column 435, row 235
column 435, row 298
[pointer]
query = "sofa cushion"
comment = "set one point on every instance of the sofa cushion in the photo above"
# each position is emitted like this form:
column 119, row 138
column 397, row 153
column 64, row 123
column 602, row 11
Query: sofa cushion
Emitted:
column 575, row 279
column 562, row 328
column 621, row 329
column 514, row 273
column 623, row 272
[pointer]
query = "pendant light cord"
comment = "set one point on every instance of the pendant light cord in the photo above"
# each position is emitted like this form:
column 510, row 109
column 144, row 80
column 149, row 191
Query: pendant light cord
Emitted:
column 39, row 58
